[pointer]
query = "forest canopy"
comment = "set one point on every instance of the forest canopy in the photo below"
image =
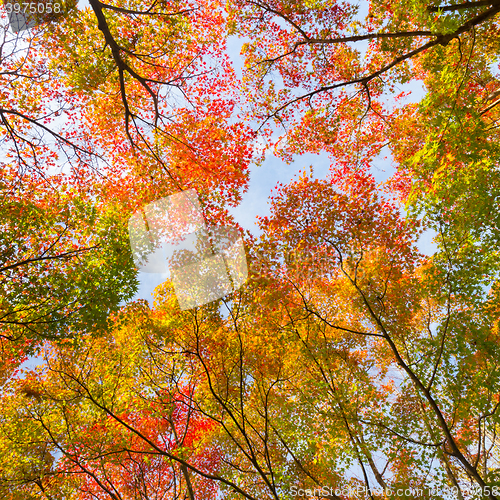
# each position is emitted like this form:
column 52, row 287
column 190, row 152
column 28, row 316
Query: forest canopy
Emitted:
column 349, row 364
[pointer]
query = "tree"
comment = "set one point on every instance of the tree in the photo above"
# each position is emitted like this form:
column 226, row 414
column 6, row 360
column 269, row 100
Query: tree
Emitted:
column 421, row 334
column 349, row 360
column 114, row 417
column 64, row 264
column 106, row 160
column 368, row 361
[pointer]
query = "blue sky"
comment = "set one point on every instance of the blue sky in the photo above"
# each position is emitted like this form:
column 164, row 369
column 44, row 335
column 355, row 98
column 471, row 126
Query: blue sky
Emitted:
column 265, row 177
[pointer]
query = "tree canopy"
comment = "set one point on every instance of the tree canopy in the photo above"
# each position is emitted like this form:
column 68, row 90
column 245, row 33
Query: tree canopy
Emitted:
column 350, row 364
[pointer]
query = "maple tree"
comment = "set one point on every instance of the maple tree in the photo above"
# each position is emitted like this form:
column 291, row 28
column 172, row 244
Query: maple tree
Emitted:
column 56, row 117
column 63, row 263
column 366, row 361
column 349, row 359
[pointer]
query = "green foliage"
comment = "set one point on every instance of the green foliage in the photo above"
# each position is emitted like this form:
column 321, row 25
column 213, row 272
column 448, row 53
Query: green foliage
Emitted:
column 65, row 264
